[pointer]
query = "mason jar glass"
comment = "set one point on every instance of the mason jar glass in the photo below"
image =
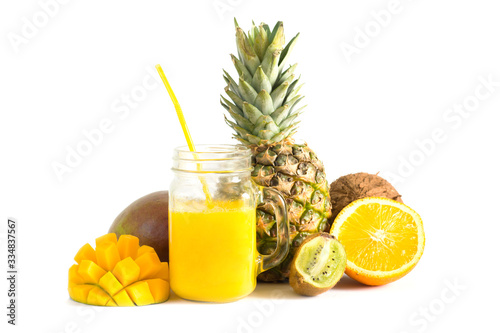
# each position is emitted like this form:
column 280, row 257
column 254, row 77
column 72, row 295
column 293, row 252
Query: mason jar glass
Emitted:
column 212, row 224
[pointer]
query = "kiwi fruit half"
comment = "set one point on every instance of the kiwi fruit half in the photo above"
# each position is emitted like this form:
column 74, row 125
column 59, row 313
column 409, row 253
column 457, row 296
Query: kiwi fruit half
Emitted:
column 318, row 264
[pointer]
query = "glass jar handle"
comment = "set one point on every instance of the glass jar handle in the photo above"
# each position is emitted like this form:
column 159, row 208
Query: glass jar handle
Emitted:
column 276, row 200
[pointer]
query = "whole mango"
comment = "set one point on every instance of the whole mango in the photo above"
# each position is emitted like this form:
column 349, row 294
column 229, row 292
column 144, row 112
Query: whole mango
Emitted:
column 147, row 219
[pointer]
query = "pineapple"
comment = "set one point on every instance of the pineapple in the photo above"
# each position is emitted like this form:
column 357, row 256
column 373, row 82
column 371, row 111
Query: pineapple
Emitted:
column 263, row 104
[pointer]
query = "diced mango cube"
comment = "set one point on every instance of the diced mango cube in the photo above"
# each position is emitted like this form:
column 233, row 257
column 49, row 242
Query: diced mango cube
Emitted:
column 97, row 296
column 110, row 284
column 149, row 264
column 123, row 299
column 111, row 302
column 144, row 249
column 128, row 246
column 86, row 252
column 90, row 272
column 139, row 293
column 160, row 289
column 163, row 273
column 107, row 255
column 111, row 238
column 73, row 277
column 127, row 271
column 80, row 292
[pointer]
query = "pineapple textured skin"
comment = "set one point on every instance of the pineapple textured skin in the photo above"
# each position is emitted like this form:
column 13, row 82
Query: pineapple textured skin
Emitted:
column 263, row 104
column 295, row 171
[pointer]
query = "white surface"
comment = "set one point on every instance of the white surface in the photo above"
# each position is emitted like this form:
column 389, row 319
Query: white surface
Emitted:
column 396, row 90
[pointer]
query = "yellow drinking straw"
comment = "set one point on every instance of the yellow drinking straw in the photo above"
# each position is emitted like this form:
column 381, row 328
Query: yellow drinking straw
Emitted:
column 185, row 129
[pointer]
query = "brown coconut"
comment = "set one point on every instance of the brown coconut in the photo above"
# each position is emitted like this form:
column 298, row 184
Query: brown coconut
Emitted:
column 355, row 186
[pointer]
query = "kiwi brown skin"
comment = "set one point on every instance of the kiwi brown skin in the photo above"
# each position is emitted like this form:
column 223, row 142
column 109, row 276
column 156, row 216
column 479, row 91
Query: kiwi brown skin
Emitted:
column 147, row 219
column 301, row 287
column 297, row 281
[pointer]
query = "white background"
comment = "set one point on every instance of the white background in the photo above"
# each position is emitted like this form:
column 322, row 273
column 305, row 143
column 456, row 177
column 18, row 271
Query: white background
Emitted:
column 365, row 113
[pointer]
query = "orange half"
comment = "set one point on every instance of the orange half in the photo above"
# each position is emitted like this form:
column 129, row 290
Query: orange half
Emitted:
column 383, row 239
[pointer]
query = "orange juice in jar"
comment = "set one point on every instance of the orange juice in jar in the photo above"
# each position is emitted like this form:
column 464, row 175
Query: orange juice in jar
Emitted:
column 212, row 235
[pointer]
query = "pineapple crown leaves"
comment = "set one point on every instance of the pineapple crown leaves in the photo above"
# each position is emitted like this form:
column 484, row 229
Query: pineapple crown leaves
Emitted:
column 262, row 101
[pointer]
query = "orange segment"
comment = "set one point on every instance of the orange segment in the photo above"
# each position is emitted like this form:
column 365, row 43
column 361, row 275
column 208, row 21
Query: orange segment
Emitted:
column 128, row 246
column 105, row 239
column 86, row 252
column 383, row 239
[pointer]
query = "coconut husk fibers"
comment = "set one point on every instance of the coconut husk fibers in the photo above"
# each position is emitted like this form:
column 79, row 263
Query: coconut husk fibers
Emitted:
column 360, row 185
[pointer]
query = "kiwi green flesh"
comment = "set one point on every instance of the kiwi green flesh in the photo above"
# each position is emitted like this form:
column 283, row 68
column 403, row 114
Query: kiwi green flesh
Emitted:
column 321, row 262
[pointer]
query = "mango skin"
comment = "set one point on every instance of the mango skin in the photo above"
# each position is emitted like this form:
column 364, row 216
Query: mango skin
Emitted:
column 147, row 219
